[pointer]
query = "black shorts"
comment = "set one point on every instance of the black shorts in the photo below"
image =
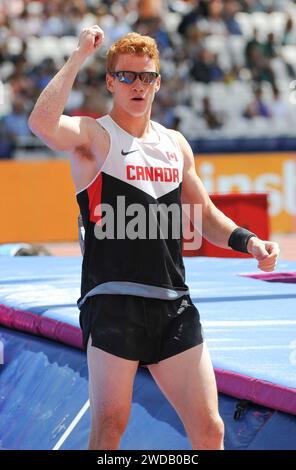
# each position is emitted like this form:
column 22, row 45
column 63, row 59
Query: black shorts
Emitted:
column 139, row 328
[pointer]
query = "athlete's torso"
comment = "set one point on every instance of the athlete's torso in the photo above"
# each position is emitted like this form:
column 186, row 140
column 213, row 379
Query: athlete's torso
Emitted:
column 136, row 179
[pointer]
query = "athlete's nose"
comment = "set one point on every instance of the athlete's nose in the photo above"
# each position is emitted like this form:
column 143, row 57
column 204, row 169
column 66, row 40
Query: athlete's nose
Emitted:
column 138, row 84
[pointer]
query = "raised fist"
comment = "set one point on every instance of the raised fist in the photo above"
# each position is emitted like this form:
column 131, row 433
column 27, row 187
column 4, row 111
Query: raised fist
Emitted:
column 90, row 40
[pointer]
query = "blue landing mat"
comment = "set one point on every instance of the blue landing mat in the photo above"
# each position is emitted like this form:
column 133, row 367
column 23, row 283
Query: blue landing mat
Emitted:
column 44, row 386
column 250, row 325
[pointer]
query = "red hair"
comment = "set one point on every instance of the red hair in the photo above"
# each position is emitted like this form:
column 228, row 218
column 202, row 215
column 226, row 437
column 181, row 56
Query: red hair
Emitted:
column 133, row 44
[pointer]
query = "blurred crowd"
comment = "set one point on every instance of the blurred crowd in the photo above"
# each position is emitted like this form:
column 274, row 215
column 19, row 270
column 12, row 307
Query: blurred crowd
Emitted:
column 227, row 66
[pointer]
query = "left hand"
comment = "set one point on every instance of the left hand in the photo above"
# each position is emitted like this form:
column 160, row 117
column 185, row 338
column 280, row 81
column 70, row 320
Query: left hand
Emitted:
column 265, row 252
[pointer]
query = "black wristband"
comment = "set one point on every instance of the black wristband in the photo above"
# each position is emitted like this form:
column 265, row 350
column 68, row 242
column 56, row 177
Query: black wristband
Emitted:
column 239, row 238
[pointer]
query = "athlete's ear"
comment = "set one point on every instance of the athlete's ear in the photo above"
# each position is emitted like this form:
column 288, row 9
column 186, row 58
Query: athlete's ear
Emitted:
column 110, row 82
column 158, row 82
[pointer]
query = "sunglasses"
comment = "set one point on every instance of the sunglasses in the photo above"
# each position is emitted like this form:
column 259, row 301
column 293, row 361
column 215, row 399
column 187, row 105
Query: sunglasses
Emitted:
column 124, row 76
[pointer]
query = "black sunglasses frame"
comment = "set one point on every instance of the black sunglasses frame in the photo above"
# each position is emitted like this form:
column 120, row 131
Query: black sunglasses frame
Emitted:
column 151, row 75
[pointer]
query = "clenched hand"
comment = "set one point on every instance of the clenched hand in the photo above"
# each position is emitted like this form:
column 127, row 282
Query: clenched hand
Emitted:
column 90, row 40
column 265, row 252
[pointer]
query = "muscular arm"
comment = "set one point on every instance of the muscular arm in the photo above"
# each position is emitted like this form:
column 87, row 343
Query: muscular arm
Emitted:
column 56, row 130
column 216, row 226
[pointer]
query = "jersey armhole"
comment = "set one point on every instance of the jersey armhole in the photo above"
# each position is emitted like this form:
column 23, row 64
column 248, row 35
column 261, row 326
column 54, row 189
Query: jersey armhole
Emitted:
column 175, row 140
column 104, row 162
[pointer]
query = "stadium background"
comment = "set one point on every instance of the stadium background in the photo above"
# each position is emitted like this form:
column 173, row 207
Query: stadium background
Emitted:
column 228, row 71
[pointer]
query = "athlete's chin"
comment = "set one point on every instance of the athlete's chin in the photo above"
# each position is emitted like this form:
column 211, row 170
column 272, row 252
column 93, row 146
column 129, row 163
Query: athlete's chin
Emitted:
column 135, row 109
column 137, row 112
column 138, row 108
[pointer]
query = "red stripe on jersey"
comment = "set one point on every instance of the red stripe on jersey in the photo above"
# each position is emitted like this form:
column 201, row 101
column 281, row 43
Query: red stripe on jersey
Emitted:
column 94, row 192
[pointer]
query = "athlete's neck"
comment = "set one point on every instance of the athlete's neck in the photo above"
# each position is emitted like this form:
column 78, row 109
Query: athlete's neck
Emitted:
column 139, row 126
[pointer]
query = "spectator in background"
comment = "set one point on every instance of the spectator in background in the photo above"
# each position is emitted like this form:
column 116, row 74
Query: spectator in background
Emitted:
column 154, row 27
column 92, row 77
column 212, row 118
column 269, row 47
column 150, row 22
column 257, row 108
column 184, row 50
column 205, row 68
column 20, row 83
column 190, row 19
column 278, row 107
column 45, row 72
column 7, row 142
column 289, row 34
column 261, row 69
column 257, row 62
column 194, row 40
column 271, row 51
column 164, row 108
column 150, row 9
column 231, row 7
column 252, row 44
column 19, row 57
column 16, row 123
column 213, row 22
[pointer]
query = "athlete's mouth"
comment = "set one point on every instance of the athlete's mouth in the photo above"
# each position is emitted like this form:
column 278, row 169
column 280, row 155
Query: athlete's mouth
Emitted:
column 137, row 98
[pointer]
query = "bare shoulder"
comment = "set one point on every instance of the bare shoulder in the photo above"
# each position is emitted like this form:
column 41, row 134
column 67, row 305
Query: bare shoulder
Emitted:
column 71, row 133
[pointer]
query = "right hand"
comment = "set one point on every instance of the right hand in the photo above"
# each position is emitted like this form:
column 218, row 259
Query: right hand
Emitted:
column 90, row 40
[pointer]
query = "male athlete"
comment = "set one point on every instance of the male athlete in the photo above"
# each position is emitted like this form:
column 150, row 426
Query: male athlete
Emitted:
column 135, row 306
